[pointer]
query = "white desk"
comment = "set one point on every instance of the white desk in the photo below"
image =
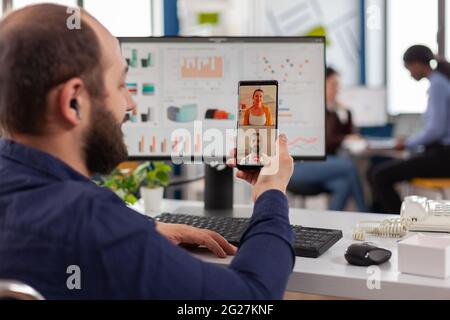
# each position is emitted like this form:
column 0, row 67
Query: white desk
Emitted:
column 330, row 274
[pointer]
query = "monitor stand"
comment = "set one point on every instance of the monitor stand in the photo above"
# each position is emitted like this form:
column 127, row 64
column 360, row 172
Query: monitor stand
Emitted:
column 218, row 194
column 218, row 188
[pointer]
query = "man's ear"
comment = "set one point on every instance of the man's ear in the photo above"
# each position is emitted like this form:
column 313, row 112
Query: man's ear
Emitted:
column 71, row 101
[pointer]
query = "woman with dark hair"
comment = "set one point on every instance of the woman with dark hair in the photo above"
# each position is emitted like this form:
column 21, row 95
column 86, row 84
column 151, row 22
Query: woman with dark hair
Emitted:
column 419, row 60
column 258, row 114
column 337, row 175
column 434, row 161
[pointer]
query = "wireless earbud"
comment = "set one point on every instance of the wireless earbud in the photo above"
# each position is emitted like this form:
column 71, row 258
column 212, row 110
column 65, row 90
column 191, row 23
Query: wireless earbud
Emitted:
column 74, row 105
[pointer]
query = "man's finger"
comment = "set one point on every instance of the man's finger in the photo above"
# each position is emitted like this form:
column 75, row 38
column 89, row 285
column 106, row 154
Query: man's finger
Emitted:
column 243, row 175
column 233, row 152
column 240, row 174
column 226, row 246
column 282, row 142
column 231, row 162
column 212, row 245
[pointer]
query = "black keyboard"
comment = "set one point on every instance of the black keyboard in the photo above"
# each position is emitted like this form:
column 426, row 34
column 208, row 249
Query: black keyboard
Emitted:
column 309, row 242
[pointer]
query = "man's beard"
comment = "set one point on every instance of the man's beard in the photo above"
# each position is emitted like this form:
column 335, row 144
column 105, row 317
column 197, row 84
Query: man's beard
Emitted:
column 104, row 146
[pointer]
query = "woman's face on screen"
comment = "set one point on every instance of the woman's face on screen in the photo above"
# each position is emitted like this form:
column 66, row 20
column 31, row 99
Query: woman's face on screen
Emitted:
column 258, row 97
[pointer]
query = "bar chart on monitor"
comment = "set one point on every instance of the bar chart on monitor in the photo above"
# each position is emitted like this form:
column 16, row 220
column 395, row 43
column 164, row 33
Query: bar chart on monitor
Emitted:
column 204, row 67
column 142, row 141
column 198, row 71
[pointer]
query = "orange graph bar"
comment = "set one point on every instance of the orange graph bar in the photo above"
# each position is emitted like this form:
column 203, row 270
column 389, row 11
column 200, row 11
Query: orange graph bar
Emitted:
column 175, row 145
column 208, row 67
column 154, row 144
column 141, row 144
column 197, row 143
column 186, row 146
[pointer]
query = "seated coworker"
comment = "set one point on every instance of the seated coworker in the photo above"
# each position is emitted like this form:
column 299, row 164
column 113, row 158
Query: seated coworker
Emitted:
column 338, row 174
column 434, row 161
column 66, row 128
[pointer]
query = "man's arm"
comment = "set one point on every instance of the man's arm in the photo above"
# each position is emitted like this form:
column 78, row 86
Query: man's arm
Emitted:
column 143, row 264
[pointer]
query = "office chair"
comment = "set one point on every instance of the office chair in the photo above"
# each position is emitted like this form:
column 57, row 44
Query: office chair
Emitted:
column 305, row 190
column 440, row 187
column 15, row 290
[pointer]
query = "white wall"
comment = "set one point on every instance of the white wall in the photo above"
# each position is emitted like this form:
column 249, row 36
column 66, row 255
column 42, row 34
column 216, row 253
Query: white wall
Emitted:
column 340, row 18
column 409, row 22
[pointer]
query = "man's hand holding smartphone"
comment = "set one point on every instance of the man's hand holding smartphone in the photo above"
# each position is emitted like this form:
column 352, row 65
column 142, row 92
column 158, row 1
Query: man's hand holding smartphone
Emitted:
column 266, row 178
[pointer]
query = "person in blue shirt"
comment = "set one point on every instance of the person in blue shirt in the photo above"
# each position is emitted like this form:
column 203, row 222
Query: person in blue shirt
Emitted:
column 63, row 99
column 338, row 175
column 434, row 161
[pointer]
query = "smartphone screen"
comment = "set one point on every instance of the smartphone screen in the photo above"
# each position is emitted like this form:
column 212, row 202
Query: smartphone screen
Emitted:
column 257, row 123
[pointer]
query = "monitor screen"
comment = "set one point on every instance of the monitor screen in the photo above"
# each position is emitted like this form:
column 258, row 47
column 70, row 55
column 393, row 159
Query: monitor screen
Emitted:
column 186, row 90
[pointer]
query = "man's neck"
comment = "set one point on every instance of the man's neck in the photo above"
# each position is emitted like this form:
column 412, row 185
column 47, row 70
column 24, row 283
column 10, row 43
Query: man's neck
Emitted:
column 58, row 148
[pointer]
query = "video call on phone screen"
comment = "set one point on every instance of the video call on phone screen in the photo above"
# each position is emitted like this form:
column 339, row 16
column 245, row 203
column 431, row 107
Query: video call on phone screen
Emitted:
column 257, row 127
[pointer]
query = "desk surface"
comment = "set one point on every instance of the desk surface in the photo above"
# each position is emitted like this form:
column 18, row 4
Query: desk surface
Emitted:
column 361, row 149
column 330, row 274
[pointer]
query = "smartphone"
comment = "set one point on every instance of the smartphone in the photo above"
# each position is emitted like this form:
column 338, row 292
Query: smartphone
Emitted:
column 257, row 123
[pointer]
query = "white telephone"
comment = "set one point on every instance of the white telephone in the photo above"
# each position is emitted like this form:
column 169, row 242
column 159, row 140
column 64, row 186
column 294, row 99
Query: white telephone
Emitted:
column 426, row 215
column 416, row 214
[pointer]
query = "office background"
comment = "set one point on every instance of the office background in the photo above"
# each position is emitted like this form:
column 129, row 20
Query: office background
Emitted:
column 365, row 43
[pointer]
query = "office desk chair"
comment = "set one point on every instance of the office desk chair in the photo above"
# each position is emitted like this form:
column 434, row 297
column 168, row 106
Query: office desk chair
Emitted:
column 15, row 290
column 302, row 191
column 440, row 186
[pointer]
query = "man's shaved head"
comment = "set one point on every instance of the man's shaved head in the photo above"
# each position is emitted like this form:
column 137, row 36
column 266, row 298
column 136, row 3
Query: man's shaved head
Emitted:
column 38, row 52
column 62, row 83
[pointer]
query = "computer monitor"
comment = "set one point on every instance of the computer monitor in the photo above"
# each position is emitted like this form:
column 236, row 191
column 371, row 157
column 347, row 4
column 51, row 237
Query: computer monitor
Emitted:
column 186, row 90
column 368, row 105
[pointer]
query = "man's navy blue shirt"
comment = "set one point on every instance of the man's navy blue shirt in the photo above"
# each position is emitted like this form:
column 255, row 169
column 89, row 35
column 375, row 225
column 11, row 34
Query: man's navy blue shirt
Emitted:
column 52, row 218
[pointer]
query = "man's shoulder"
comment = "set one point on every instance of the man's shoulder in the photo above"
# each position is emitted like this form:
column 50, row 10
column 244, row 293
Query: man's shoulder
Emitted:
column 91, row 201
column 86, row 189
column 81, row 193
column 105, row 221
column 68, row 210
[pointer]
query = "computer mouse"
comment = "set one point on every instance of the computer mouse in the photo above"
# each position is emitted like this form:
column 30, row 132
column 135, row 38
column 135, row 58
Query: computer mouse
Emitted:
column 366, row 254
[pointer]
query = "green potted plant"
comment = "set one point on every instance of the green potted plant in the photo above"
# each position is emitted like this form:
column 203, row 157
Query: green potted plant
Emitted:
column 124, row 183
column 155, row 178
column 146, row 181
